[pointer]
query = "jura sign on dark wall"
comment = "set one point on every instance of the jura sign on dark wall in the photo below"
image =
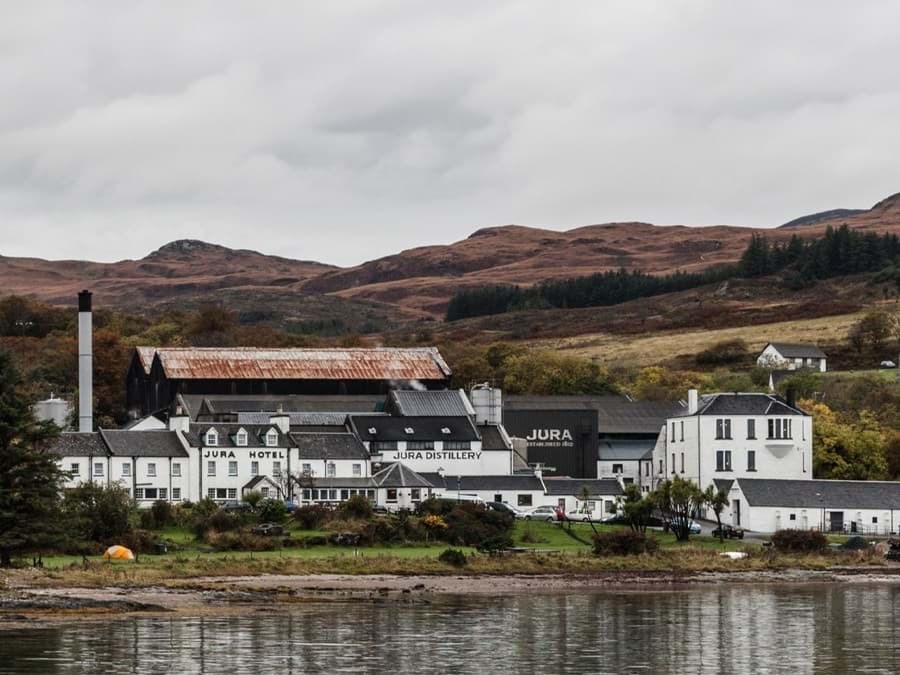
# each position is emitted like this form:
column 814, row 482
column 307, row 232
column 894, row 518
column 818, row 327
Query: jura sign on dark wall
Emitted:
column 563, row 439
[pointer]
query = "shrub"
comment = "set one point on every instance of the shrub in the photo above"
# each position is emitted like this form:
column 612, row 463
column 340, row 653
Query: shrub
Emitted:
column 242, row 541
column 855, row 544
column 139, row 541
column 96, row 513
column 799, row 541
column 272, row 511
column 475, row 525
column 624, row 542
column 218, row 521
column 357, row 507
column 436, row 506
column 163, row 513
column 723, row 353
column 454, row 557
column 311, row 517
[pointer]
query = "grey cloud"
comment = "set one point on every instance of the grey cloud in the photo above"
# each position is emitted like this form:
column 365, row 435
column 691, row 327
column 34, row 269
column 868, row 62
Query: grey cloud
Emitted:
column 345, row 131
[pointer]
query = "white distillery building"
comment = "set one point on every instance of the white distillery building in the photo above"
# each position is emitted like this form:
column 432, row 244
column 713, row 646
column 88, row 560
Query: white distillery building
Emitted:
column 727, row 436
column 792, row 356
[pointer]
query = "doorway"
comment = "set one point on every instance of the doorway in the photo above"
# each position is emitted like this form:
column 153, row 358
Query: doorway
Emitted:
column 736, row 512
column 836, row 521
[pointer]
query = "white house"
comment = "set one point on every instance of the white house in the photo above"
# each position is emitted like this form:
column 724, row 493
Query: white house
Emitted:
column 769, row 505
column 792, row 356
column 630, row 461
column 727, row 436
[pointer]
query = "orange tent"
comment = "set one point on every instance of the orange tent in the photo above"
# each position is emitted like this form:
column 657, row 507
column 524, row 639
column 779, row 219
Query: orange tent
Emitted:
column 118, row 553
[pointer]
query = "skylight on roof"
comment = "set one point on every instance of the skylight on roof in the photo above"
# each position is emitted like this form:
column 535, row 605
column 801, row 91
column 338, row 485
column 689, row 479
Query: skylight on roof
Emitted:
column 409, row 430
column 445, row 430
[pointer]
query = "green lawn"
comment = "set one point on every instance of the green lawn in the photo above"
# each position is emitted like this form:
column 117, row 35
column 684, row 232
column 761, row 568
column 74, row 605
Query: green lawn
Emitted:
column 530, row 534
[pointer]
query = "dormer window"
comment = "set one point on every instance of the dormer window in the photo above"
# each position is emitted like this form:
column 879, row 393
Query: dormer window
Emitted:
column 212, row 437
column 271, row 438
column 409, row 430
column 240, row 438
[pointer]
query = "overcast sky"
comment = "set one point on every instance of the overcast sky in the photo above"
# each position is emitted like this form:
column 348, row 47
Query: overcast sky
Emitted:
column 342, row 131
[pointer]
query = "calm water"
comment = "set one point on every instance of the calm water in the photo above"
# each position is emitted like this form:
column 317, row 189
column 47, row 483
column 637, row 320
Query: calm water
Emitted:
column 811, row 629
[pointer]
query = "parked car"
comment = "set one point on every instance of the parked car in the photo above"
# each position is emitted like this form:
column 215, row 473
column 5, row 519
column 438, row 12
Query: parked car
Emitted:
column 729, row 532
column 503, row 507
column 693, row 527
column 888, row 364
column 584, row 516
column 548, row 513
column 235, row 506
column 290, row 506
column 268, row 530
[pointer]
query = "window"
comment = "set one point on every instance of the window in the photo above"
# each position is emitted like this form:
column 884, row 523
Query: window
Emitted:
column 420, row 445
column 609, row 506
column 457, row 445
column 723, row 460
column 254, row 468
column 673, row 462
column 210, row 468
column 779, row 428
column 660, row 466
column 682, row 462
column 751, row 460
column 523, row 500
column 371, row 494
column 232, row 493
column 793, row 516
column 751, row 429
column 163, row 493
column 241, row 438
column 176, row 493
column 307, row 494
column 232, row 468
column 673, row 432
column 723, row 429
column 75, row 468
column 330, row 470
column 682, row 430
column 617, row 468
column 307, row 469
column 126, row 469
column 803, row 459
column 647, row 468
column 357, row 469
column 271, row 438
column 212, row 437
column 276, row 469
column 874, row 520
column 98, row 469
column 211, row 493
column 138, row 493
column 392, row 494
column 151, row 469
column 176, row 472
column 415, row 494
column 379, row 446
column 264, row 492
column 345, row 495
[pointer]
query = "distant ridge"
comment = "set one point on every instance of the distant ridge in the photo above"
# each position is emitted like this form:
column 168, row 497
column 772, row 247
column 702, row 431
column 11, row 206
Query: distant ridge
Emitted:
column 815, row 218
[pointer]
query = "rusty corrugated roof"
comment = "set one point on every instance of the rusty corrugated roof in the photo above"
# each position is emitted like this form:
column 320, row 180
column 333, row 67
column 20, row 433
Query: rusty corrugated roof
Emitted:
column 146, row 354
column 250, row 363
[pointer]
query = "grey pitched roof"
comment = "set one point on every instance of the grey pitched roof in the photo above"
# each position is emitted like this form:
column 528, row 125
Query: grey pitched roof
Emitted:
column 72, row 444
column 399, row 475
column 492, row 438
column 723, row 483
column 740, row 403
column 299, row 419
column 798, row 350
column 473, row 483
column 256, row 480
column 228, row 430
column 374, row 428
column 615, row 414
column 626, row 450
column 818, row 494
column 599, row 487
column 448, row 403
column 125, row 443
column 329, row 446
column 292, row 403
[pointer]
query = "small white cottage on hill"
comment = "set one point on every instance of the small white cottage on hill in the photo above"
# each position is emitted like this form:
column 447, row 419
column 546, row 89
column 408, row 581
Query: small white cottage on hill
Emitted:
column 792, row 356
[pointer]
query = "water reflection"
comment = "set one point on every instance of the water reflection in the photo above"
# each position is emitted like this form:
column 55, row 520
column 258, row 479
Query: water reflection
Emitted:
column 742, row 629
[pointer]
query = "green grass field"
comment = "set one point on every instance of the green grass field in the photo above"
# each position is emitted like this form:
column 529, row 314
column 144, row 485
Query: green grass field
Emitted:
column 540, row 536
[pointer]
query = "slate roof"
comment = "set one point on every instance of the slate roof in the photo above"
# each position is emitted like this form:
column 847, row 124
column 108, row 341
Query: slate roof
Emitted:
column 745, row 404
column 625, row 450
column 73, row 444
column 376, row 428
column 299, row 419
column 492, row 438
column 329, row 446
column 797, row 350
column 396, row 475
column 256, row 480
column 290, row 404
column 723, row 483
column 153, row 443
column 450, row 403
column 817, row 494
column 252, row 363
column 227, row 431
column 600, row 487
column 475, row 483
column 615, row 414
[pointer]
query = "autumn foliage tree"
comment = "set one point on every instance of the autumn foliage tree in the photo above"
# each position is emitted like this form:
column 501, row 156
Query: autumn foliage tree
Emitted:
column 853, row 449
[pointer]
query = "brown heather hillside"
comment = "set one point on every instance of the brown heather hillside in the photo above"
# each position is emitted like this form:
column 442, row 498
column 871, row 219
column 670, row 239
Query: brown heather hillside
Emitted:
column 425, row 278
